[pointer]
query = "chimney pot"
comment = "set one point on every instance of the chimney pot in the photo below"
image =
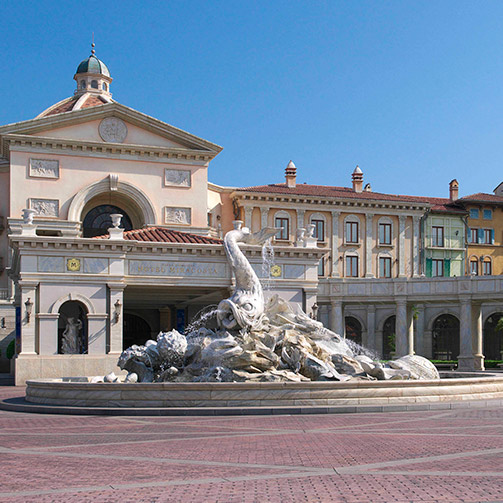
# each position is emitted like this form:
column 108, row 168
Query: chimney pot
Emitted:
column 291, row 175
column 453, row 190
column 357, row 179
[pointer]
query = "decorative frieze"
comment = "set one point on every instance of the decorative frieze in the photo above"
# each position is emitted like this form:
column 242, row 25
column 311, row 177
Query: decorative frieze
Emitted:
column 179, row 216
column 177, row 178
column 44, row 168
column 45, row 207
column 168, row 268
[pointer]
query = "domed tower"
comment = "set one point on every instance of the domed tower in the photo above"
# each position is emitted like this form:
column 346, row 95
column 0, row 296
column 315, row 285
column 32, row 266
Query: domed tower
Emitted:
column 92, row 76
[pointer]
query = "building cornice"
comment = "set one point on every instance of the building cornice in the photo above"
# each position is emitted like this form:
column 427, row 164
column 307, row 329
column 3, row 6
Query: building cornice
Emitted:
column 23, row 142
column 326, row 203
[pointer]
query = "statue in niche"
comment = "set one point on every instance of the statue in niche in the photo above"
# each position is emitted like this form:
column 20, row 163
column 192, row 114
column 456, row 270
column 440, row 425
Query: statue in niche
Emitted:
column 71, row 336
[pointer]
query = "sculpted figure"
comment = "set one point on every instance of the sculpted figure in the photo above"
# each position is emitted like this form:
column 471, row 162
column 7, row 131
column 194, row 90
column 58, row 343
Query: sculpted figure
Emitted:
column 245, row 307
column 71, row 337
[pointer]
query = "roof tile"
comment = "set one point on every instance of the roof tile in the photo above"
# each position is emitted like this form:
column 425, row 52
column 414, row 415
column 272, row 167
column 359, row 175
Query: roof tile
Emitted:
column 155, row 234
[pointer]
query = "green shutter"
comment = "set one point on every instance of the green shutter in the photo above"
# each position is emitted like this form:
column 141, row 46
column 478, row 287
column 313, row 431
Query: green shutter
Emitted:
column 428, row 267
column 447, row 267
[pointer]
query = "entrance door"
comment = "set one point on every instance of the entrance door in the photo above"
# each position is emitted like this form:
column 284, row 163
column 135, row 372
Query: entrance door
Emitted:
column 446, row 338
column 493, row 337
column 135, row 331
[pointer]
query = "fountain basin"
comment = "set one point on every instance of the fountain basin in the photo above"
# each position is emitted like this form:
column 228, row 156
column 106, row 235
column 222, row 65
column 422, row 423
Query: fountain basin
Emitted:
column 291, row 397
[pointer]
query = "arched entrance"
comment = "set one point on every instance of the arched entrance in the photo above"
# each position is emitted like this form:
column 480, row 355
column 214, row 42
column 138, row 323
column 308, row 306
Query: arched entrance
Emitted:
column 388, row 337
column 135, row 330
column 72, row 328
column 445, row 335
column 493, row 337
column 353, row 330
column 98, row 220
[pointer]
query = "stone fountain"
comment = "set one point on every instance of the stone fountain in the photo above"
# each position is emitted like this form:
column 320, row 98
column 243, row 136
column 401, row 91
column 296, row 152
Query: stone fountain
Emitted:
column 262, row 357
column 260, row 342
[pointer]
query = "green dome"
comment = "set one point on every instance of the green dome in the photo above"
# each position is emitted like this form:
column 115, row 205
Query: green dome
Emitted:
column 93, row 65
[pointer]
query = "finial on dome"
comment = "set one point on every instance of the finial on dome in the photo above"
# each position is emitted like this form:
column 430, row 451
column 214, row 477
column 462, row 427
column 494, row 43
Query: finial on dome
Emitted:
column 93, row 45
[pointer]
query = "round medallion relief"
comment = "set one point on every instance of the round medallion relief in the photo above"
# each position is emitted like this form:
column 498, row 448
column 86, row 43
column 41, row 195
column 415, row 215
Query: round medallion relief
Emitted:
column 113, row 130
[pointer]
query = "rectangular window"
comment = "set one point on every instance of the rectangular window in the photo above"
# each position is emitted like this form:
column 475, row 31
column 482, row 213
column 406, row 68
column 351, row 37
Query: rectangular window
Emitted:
column 474, row 213
column 384, row 267
column 487, row 268
column 385, row 234
column 437, row 267
column 474, row 267
column 473, row 235
column 488, row 236
column 437, row 236
column 351, row 232
column 321, row 267
column 488, row 214
column 351, row 266
column 283, row 233
column 319, row 229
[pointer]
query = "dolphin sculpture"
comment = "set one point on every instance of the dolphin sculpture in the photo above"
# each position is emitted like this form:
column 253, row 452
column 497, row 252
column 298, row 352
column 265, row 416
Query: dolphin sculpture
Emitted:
column 245, row 307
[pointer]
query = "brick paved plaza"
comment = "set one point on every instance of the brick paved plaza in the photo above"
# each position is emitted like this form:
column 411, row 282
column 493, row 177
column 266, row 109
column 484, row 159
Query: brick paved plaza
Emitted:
column 453, row 455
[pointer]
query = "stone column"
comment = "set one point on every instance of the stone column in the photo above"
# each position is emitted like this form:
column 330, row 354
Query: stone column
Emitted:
column 335, row 243
column 401, row 328
column 371, row 320
column 48, row 333
column 264, row 213
column 368, row 246
column 300, row 218
column 97, row 333
column 420, row 342
column 465, row 358
column 28, row 328
column 115, row 294
column 410, row 331
column 401, row 246
column 478, row 356
column 337, row 317
column 416, row 246
column 248, row 216
column 427, row 344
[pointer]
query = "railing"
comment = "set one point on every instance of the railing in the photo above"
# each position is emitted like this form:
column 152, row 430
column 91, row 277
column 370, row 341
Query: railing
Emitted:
column 4, row 293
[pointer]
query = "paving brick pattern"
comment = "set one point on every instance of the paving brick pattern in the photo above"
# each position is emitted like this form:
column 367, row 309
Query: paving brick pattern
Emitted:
column 430, row 456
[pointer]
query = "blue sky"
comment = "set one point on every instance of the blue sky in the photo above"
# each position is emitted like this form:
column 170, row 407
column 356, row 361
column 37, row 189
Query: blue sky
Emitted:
column 411, row 91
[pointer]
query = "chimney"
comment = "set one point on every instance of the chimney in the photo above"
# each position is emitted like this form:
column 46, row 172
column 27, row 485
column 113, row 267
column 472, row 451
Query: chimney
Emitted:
column 291, row 175
column 453, row 190
column 357, row 179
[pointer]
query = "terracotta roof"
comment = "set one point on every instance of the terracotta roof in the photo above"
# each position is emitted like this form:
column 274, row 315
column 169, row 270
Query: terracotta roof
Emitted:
column 67, row 105
column 438, row 203
column 162, row 235
column 481, row 197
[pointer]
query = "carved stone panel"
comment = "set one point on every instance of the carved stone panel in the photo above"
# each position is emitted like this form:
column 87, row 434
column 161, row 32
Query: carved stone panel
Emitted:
column 45, row 207
column 180, row 216
column 113, row 129
column 44, row 168
column 177, row 178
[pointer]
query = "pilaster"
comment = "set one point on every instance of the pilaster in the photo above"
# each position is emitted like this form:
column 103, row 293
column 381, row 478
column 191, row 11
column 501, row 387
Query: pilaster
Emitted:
column 335, row 243
column 368, row 246
column 415, row 246
column 401, row 246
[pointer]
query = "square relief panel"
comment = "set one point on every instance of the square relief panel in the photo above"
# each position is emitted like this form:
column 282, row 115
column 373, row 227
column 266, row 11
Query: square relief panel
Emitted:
column 177, row 178
column 44, row 168
column 45, row 207
column 180, row 216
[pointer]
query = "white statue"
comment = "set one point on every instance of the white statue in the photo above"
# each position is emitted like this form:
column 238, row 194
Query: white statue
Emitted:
column 71, row 336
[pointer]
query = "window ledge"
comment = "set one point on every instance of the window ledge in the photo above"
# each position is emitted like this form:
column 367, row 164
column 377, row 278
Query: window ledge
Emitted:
column 385, row 245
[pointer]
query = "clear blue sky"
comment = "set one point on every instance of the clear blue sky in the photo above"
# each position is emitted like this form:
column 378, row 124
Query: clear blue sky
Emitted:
column 412, row 91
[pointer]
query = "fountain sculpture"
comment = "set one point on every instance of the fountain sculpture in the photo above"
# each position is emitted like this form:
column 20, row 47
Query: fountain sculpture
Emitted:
column 259, row 341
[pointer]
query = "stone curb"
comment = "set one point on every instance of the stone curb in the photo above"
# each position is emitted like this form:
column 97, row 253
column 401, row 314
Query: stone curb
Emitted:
column 19, row 404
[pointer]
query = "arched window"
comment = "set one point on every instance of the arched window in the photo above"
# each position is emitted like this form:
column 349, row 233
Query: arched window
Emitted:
column 353, row 329
column 388, row 337
column 474, row 266
column 351, row 229
column 82, row 84
column 94, row 84
column 105, row 87
column 445, row 337
column 493, row 337
column 72, row 328
column 487, row 266
column 319, row 222
column 136, row 330
column 282, row 219
column 98, row 220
